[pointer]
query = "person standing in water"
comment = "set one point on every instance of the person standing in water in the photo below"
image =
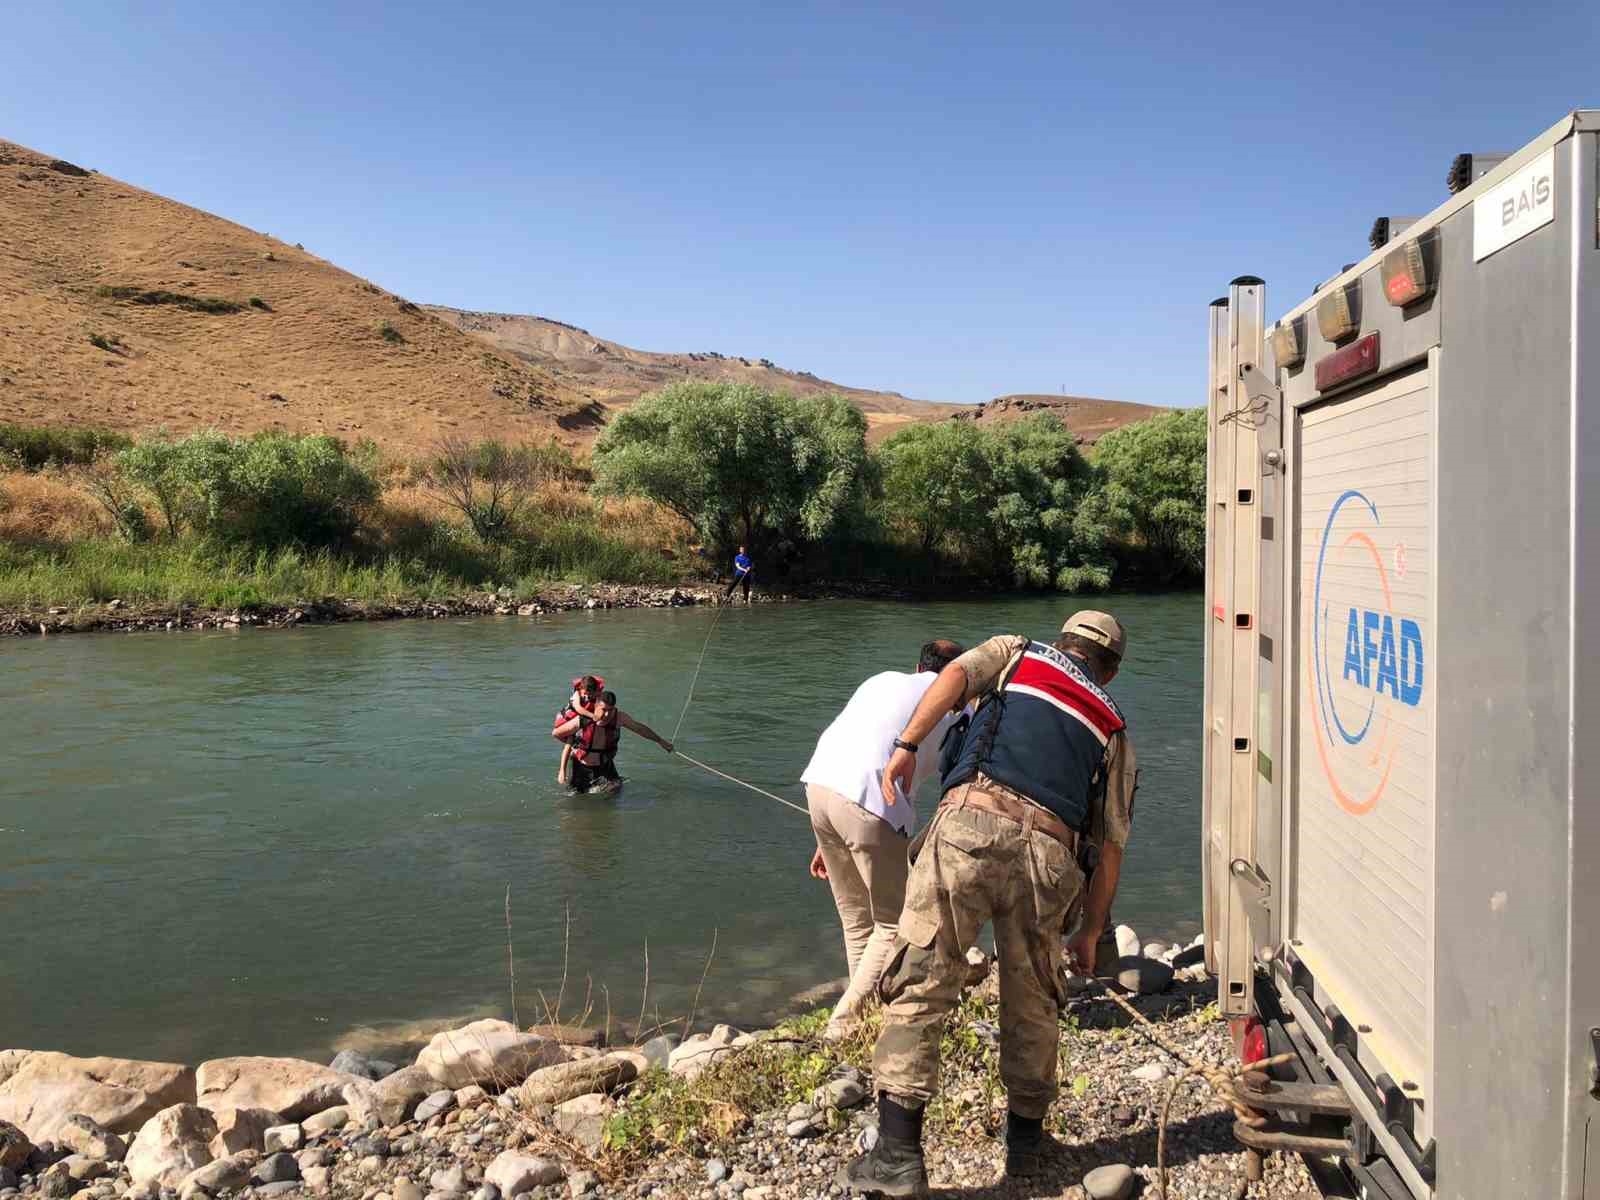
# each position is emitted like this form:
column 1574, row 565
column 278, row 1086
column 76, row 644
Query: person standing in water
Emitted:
column 742, row 566
column 594, row 750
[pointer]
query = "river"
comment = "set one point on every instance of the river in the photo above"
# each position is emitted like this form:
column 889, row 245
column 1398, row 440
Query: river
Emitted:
column 295, row 841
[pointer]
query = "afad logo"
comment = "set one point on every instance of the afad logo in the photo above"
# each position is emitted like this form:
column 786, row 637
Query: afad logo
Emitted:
column 1376, row 655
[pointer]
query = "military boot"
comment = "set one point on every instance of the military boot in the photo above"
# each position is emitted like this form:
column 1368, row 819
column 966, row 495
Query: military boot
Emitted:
column 894, row 1166
column 1028, row 1147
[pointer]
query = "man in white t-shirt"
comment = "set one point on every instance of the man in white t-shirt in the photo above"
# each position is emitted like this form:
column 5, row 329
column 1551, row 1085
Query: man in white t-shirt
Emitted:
column 861, row 841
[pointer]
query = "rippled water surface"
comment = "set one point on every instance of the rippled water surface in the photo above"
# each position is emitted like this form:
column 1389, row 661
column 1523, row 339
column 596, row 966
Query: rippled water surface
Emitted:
column 283, row 842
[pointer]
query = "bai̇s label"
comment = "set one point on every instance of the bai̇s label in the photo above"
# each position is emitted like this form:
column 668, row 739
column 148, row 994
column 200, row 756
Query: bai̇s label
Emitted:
column 1515, row 208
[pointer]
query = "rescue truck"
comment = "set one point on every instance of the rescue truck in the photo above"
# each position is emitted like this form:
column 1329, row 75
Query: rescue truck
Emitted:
column 1401, row 827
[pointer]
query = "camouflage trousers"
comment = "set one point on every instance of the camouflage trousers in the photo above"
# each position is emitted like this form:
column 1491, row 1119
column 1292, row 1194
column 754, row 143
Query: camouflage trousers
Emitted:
column 971, row 867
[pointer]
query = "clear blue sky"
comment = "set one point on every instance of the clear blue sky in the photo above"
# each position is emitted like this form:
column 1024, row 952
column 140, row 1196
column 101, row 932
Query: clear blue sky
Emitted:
column 951, row 200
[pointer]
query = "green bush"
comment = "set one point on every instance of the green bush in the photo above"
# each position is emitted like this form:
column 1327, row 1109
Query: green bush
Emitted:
column 390, row 334
column 270, row 489
column 37, row 446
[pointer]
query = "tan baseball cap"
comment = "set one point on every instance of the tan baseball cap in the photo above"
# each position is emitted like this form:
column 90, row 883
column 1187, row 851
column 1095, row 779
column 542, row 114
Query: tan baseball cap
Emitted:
column 1098, row 627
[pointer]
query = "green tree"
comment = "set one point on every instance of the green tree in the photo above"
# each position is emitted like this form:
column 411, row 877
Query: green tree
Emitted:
column 1153, row 499
column 936, row 484
column 1040, row 480
column 738, row 461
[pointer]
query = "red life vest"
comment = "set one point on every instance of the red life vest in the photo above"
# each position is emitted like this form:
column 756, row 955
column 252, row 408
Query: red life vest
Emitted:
column 567, row 713
column 597, row 740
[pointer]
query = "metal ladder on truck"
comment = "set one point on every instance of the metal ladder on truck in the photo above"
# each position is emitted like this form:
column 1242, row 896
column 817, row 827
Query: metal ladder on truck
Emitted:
column 1247, row 548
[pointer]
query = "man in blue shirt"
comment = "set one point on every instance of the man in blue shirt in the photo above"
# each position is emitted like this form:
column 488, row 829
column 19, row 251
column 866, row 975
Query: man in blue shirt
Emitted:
column 742, row 566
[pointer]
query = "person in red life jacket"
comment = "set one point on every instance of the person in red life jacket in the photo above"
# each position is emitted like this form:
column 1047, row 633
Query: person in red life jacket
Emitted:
column 1037, row 805
column 586, row 690
column 595, row 741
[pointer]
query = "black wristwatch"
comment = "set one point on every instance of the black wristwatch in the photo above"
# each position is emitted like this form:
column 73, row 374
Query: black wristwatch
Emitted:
column 899, row 745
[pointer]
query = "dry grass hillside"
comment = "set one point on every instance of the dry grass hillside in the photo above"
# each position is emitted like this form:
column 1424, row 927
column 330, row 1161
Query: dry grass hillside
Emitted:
column 124, row 309
column 1087, row 417
column 613, row 375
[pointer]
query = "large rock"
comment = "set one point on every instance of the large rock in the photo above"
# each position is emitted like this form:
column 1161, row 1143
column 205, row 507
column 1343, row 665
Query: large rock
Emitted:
column 353, row 1062
column 10, row 1060
column 570, row 1035
column 1143, row 976
column 701, row 1050
column 395, row 1097
column 171, row 1145
column 48, row 1088
column 86, row 1136
column 291, row 1087
column 566, row 1081
column 658, row 1050
column 1127, row 942
column 242, row 1129
column 515, row 1173
column 227, row 1173
column 490, row 1053
column 1111, row 1182
column 583, row 1119
column 15, row 1147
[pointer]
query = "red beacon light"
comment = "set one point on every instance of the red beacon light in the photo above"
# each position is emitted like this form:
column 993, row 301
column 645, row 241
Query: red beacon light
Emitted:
column 1408, row 270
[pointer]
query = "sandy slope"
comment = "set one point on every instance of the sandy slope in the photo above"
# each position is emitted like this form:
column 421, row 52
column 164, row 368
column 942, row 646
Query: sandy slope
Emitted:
column 322, row 350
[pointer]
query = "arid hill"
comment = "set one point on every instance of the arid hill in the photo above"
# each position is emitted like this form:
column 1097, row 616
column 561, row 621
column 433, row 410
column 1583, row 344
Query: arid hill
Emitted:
column 123, row 309
column 614, row 375
column 1089, row 418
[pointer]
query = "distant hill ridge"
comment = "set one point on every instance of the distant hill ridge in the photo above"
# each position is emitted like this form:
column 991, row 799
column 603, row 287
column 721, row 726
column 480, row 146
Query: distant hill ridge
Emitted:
column 124, row 309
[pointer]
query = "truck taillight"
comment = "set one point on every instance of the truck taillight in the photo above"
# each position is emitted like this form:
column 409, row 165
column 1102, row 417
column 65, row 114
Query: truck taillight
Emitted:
column 1339, row 312
column 1289, row 342
column 1408, row 273
column 1254, row 1046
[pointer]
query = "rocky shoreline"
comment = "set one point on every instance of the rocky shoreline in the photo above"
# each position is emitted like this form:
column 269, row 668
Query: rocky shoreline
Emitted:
column 489, row 1111
column 116, row 616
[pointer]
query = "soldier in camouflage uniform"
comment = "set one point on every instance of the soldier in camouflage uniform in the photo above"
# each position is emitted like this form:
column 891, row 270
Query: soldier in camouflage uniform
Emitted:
column 1040, row 787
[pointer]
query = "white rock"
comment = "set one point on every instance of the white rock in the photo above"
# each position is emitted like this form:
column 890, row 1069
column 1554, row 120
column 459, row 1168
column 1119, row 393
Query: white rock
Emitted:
column 222, row 1174
column 436, row 1103
column 395, row 1097
column 171, row 1145
column 1154, row 949
column 701, row 1050
column 514, row 1173
column 326, row 1121
column 1150, row 1073
column 487, row 1052
column 1145, row 976
column 1112, row 1182
column 242, row 1129
column 406, row 1189
column 281, row 1137
column 584, row 1120
column 289, row 1086
column 468, row 1096
column 45, row 1089
column 86, row 1136
column 316, row 1178
column 1127, row 942
column 451, row 1180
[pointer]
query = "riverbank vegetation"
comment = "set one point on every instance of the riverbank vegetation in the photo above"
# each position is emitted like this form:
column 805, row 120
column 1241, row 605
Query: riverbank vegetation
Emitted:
column 674, row 484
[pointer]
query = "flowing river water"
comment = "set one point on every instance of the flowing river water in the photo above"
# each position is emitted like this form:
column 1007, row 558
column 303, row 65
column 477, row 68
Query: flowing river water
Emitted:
column 295, row 841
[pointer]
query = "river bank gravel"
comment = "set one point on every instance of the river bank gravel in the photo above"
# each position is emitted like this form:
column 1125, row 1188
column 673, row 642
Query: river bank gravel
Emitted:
column 493, row 1112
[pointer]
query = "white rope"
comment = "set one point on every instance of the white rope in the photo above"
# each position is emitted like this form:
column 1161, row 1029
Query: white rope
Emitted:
column 703, row 648
column 742, row 783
